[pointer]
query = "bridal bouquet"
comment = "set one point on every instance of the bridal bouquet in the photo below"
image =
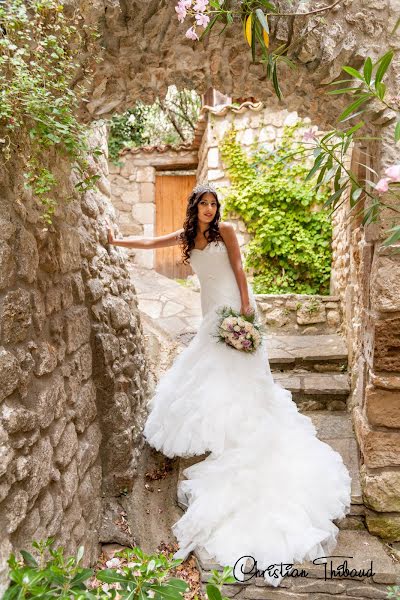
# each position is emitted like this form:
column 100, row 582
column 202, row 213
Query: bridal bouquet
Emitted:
column 242, row 332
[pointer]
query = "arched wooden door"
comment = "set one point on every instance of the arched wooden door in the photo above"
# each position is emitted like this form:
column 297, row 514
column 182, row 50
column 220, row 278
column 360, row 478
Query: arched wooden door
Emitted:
column 172, row 192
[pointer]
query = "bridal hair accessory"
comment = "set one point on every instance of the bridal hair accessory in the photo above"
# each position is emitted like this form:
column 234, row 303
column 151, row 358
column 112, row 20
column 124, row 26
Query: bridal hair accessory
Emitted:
column 203, row 187
column 242, row 332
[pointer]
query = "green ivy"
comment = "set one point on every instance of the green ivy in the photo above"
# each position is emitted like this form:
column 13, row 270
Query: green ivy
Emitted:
column 290, row 249
column 43, row 51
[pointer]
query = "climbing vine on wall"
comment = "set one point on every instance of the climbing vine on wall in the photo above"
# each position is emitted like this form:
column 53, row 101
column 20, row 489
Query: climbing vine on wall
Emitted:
column 44, row 50
column 290, row 249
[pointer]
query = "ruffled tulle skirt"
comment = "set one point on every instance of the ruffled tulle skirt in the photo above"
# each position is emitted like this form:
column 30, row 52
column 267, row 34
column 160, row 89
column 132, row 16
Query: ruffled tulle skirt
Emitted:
column 270, row 488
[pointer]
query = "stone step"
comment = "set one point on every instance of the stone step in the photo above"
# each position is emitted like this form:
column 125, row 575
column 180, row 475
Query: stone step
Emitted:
column 358, row 548
column 312, row 352
column 334, row 428
column 315, row 391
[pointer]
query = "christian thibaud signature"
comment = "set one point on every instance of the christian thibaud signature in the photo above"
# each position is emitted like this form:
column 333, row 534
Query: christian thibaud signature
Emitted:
column 247, row 567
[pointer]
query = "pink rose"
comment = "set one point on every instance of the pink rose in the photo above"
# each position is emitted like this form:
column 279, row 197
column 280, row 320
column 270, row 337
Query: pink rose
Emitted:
column 382, row 186
column 393, row 173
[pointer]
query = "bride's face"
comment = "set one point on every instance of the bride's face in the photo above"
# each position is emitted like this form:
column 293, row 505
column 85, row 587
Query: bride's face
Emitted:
column 207, row 207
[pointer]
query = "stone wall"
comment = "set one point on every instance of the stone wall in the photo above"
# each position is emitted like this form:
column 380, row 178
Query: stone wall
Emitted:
column 72, row 366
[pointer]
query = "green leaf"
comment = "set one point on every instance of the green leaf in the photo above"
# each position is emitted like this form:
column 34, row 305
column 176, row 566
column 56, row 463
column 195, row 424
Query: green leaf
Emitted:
column 262, row 19
column 356, row 193
column 172, row 590
column 355, row 128
column 384, row 63
column 276, row 82
column 79, row 554
column 269, row 6
column 353, row 72
column 354, row 105
column 368, row 70
column 342, row 91
column 397, row 132
column 380, row 90
column 213, row 592
column 28, row 559
column 254, row 24
column 396, row 26
column 111, row 576
column 81, row 577
column 210, row 25
column 336, row 195
column 394, row 237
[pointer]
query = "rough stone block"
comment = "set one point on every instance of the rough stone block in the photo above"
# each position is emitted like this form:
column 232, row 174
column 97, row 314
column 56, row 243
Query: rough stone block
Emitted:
column 380, row 448
column 89, row 444
column 387, row 345
column 7, row 266
column 143, row 212
column 146, row 175
column 76, row 328
column 385, row 285
column 85, row 409
column 40, row 467
column 69, row 256
column 15, row 509
column 381, row 489
column 382, row 407
column 67, row 446
column 15, row 316
column 49, row 401
column 69, row 484
column 27, row 255
column 10, row 373
column 45, row 357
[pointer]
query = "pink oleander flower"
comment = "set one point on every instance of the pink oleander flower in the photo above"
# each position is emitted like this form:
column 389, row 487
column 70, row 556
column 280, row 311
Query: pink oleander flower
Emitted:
column 113, row 563
column 181, row 10
column 202, row 19
column 200, row 5
column 393, row 173
column 382, row 186
column 309, row 135
column 191, row 34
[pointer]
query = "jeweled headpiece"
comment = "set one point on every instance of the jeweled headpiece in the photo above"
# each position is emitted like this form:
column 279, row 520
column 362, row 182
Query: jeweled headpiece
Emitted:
column 203, row 187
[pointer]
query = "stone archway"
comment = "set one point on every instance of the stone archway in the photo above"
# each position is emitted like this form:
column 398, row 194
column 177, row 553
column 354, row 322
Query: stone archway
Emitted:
column 147, row 33
column 72, row 368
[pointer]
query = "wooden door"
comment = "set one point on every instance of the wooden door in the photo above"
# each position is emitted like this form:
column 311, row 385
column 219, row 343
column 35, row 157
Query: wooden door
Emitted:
column 172, row 192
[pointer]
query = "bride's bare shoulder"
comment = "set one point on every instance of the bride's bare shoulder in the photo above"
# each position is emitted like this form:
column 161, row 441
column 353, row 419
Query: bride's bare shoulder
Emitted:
column 225, row 226
column 227, row 231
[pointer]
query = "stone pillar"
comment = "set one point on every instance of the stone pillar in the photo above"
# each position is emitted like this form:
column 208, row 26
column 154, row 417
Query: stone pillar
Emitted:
column 377, row 412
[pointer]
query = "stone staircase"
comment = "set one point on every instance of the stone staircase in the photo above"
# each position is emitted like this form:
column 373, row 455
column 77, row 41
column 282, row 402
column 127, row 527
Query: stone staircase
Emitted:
column 314, row 369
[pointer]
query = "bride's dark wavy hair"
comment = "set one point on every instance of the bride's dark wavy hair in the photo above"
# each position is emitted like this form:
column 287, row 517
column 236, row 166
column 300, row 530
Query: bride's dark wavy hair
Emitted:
column 187, row 237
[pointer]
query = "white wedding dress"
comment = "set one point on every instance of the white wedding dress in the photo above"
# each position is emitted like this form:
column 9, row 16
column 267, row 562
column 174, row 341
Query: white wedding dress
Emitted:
column 270, row 488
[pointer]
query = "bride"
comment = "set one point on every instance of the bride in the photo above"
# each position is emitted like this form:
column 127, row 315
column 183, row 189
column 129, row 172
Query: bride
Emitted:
column 268, row 491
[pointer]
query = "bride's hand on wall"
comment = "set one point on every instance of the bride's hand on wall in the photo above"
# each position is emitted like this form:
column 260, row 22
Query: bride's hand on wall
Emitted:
column 110, row 235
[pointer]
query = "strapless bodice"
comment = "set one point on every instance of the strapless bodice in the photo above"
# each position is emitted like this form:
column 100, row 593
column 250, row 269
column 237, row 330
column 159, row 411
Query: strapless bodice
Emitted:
column 217, row 279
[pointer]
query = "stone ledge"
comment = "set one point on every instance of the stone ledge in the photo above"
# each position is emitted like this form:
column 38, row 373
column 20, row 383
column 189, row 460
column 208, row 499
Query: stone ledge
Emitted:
column 336, row 384
column 296, row 349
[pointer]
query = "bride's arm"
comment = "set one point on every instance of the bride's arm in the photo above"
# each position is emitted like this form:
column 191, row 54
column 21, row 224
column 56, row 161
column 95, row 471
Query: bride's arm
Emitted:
column 162, row 241
column 229, row 236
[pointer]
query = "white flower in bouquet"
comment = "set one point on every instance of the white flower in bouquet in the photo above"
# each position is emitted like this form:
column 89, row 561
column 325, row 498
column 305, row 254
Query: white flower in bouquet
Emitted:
column 242, row 332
